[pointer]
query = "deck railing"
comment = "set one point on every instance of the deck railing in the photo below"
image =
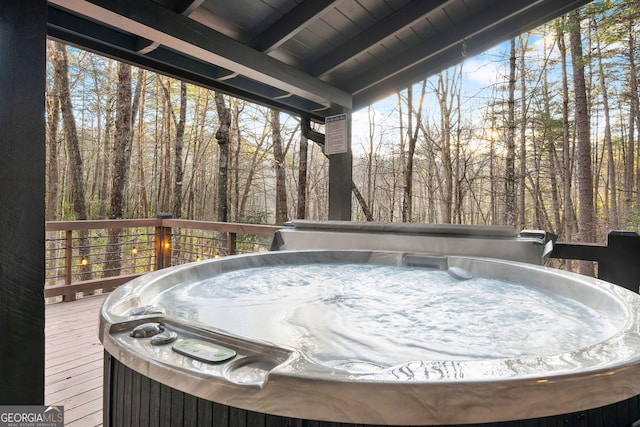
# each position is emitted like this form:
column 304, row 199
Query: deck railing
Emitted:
column 88, row 256
column 618, row 260
column 91, row 256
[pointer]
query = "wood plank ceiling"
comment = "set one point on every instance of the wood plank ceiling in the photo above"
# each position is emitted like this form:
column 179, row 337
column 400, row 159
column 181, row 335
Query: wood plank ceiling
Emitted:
column 300, row 56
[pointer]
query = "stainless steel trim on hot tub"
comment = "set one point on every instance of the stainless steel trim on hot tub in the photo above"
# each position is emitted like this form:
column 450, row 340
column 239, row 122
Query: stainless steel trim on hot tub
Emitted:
column 489, row 241
column 283, row 381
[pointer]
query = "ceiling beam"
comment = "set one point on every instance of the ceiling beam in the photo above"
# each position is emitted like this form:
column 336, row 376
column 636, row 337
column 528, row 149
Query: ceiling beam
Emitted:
column 184, row 8
column 149, row 20
column 78, row 31
column 187, row 7
column 291, row 23
column 412, row 12
column 490, row 17
column 451, row 46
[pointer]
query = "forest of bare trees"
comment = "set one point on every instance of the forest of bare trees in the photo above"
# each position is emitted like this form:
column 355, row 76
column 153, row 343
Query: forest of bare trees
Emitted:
column 551, row 144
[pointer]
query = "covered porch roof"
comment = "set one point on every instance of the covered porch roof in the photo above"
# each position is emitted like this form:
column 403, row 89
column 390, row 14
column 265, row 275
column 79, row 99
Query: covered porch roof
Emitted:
column 306, row 57
column 300, row 56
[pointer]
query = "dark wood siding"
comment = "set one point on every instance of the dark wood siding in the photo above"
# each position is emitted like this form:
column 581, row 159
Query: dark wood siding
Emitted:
column 169, row 407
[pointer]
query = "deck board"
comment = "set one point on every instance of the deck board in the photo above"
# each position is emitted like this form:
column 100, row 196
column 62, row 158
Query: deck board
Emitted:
column 73, row 360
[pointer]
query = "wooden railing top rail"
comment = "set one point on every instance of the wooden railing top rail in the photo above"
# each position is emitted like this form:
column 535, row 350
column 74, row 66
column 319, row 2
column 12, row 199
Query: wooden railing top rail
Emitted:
column 102, row 223
column 580, row 251
column 228, row 227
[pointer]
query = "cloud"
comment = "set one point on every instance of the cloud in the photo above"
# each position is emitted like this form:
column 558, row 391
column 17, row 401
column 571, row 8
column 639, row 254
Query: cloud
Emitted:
column 382, row 115
column 485, row 69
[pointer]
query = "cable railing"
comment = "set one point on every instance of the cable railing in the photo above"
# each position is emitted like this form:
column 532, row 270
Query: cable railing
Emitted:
column 84, row 257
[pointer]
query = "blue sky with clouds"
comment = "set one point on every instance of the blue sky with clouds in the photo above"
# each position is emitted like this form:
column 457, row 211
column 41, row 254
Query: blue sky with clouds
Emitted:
column 480, row 75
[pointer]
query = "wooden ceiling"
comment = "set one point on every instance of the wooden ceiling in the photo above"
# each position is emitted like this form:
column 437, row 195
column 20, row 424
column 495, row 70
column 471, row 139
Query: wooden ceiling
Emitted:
column 300, row 56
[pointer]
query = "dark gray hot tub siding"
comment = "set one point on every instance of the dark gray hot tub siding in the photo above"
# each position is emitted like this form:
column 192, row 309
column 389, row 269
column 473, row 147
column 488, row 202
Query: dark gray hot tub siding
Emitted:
column 131, row 399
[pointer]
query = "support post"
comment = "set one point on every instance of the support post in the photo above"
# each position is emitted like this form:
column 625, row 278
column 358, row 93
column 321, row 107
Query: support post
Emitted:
column 23, row 31
column 163, row 243
column 231, row 243
column 340, row 172
column 621, row 264
column 617, row 262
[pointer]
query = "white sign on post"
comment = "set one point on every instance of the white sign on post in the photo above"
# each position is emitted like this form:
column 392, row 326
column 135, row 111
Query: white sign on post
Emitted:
column 335, row 139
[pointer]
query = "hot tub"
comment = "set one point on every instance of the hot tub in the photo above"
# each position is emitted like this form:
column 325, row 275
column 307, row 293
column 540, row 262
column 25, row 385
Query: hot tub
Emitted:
column 366, row 337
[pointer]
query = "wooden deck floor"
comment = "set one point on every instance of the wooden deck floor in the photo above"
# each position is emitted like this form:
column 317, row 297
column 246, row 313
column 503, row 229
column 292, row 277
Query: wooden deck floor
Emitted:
column 73, row 360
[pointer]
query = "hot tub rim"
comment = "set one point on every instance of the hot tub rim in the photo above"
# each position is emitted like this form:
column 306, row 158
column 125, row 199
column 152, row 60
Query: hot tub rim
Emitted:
column 620, row 295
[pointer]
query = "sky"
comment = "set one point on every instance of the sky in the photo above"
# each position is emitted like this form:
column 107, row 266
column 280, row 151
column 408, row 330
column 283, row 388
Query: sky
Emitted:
column 480, row 74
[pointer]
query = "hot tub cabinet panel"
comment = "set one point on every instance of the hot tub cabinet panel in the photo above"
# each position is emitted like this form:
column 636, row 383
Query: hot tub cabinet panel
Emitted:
column 260, row 380
column 137, row 401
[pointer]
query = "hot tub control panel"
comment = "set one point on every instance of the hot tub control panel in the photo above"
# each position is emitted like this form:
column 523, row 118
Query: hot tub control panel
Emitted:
column 183, row 346
column 204, row 351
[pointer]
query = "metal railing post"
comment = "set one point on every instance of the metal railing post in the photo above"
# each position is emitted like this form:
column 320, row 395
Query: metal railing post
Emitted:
column 68, row 256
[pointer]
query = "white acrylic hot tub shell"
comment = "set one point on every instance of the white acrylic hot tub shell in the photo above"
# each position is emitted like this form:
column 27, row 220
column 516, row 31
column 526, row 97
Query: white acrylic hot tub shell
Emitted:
column 283, row 381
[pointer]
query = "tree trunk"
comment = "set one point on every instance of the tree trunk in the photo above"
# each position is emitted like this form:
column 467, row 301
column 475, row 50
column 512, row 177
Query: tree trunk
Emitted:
column 279, row 167
column 611, row 169
column 223, row 138
column 407, row 198
column 167, row 187
column 103, row 192
column 122, row 143
column 568, row 213
column 143, row 208
column 178, row 170
column 120, row 169
column 586, row 221
column 549, row 139
column 235, row 204
column 53, row 119
column 629, row 164
column 510, row 213
column 446, row 191
column 301, row 208
column 371, row 152
column 179, row 122
column 196, row 181
column 95, row 73
column 523, row 135
column 60, row 62
column 363, row 203
column 412, row 137
column 53, row 143
column 61, row 70
column 257, row 158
